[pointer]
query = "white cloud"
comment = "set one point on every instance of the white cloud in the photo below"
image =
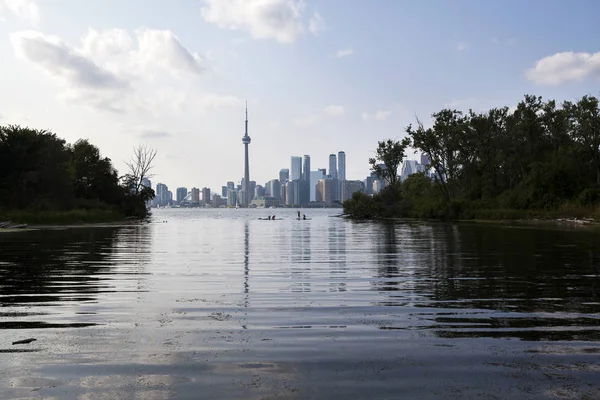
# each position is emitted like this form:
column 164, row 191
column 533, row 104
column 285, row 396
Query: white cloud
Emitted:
column 316, row 24
column 264, row 19
column 334, row 110
column 380, row 115
column 344, row 53
column 25, row 10
column 153, row 134
column 114, row 71
column 564, row 67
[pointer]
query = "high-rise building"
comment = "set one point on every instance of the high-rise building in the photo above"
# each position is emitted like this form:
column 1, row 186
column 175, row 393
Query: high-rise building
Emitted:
column 349, row 188
column 162, row 194
column 231, row 198
column 180, row 194
column 341, row 170
column 246, row 141
column 289, row 193
column 206, row 195
column 216, row 200
column 332, row 166
column 284, row 176
column 224, row 191
column 325, row 189
column 195, row 196
column 425, row 161
column 306, row 168
column 296, row 171
column 273, row 189
column 231, row 185
column 170, row 202
column 252, row 188
column 259, row 192
column 314, row 177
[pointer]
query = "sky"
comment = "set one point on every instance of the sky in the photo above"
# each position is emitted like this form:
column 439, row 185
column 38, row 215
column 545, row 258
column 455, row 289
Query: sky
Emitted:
column 319, row 76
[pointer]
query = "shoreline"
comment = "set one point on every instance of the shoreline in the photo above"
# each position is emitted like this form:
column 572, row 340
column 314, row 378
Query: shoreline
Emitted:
column 38, row 227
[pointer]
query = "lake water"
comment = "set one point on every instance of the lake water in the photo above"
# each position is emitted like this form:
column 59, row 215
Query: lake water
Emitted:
column 216, row 304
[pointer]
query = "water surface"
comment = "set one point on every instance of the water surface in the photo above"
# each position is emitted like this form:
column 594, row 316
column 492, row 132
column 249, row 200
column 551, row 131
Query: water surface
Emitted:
column 204, row 303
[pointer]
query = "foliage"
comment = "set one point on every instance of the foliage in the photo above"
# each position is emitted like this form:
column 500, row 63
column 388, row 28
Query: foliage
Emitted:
column 41, row 175
column 542, row 159
column 390, row 153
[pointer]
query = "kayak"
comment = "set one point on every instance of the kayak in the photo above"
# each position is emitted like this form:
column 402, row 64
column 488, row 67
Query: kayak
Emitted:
column 303, row 219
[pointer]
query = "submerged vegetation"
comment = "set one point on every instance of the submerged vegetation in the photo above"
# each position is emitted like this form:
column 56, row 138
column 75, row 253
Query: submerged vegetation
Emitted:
column 45, row 180
column 540, row 160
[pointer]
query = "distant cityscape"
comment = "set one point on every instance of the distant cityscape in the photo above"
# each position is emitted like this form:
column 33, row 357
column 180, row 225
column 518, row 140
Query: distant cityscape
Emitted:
column 297, row 186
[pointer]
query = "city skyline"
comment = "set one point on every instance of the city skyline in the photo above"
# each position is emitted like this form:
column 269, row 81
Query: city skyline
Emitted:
column 319, row 76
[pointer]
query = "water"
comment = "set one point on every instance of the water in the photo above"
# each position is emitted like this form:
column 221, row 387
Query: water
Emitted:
column 216, row 304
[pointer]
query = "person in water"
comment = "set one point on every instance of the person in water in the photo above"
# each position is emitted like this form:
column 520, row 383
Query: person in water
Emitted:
column 269, row 217
column 303, row 216
column 273, row 217
column 298, row 214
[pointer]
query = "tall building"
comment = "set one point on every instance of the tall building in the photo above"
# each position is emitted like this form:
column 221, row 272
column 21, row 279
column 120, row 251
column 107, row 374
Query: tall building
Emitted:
column 162, row 194
column 170, row 201
column 314, row 177
column 341, row 170
column 289, row 193
column 325, row 189
column 259, row 192
column 273, row 189
column 206, row 195
column 231, row 198
column 333, row 166
column 246, row 141
column 425, row 161
column 195, row 196
column 284, row 176
column 296, row 171
column 348, row 188
column 230, row 185
column 180, row 194
column 224, row 191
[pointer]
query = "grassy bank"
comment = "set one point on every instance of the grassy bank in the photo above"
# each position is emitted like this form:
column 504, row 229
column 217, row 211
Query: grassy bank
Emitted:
column 79, row 216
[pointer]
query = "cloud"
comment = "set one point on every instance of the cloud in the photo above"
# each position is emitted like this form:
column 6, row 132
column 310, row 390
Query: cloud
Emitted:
column 153, row 134
column 565, row 67
column 316, row 24
column 118, row 72
column 344, row 53
column 306, row 121
column 60, row 61
column 462, row 46
column 264, row 19
column 334, row 110
column 380, row 115
column 25, row 10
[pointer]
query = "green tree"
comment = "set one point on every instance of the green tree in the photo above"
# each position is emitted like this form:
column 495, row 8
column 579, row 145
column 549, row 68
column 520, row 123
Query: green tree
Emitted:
column 390, row 153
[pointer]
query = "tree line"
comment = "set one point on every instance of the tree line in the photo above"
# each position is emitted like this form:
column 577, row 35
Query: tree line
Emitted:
column 540, row 158
column 40, row 172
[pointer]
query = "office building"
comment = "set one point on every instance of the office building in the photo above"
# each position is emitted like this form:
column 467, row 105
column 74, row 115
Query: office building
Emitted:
column 273, row 189
column 231, row 185
column 332, row 166
column 180, row 194
column 325, row 190
column 341, row 170
column 224, row 191
column 206, row 195
column 425, row 161
column 231, row 198
column 314, row 177
column 259, row 192
column 195, row 196
column 284, row 176
column 289, row 193
column 296, row 171
column 348, row 188
column 162, row 195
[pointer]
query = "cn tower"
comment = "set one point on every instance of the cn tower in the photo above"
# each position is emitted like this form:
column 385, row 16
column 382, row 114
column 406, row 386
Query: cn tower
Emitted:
column 246, row 141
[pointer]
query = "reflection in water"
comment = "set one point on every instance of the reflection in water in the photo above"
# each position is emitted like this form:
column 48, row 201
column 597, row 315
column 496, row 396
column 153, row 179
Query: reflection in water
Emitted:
column 325, row 308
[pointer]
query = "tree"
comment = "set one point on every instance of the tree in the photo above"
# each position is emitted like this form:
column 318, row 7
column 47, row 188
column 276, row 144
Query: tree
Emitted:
column 390, row 153
column 139, row 170
column 585, row 128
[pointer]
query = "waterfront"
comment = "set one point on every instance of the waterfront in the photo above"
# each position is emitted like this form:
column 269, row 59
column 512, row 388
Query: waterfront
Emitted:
column 204, row 303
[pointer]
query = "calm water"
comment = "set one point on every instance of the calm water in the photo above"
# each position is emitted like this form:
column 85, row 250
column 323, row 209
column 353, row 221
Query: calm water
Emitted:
column 215, row 304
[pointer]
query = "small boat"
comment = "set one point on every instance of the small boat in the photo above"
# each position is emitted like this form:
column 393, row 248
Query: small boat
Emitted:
column 272, row 219
column 303, row 219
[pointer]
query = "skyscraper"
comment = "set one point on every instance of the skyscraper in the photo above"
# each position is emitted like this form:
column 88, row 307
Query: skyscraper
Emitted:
column 306, row 168
column 181, row 193
column 284, row 176
column 296, row 172
column 332, row 166
column 341, row 171
column 246, row 141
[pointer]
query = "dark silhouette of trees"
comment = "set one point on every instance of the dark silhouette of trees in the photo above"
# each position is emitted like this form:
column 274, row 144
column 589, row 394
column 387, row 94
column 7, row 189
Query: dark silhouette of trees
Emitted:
column 40, row 172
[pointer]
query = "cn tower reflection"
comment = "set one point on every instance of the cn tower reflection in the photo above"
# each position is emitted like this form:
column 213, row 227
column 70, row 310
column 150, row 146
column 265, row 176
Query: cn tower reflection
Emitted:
column 246, row 262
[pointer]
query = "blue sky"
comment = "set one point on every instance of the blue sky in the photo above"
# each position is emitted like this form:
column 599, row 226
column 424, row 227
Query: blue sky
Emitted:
column 319, row 76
